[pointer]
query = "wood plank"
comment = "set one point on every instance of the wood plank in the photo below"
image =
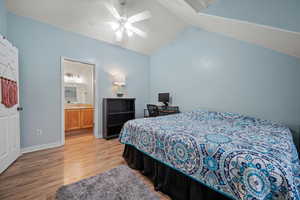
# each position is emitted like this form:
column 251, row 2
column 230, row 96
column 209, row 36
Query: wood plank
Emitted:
column 38, row 175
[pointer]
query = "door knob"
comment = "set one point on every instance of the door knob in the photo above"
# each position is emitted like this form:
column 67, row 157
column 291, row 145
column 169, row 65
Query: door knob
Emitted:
column 19, row 108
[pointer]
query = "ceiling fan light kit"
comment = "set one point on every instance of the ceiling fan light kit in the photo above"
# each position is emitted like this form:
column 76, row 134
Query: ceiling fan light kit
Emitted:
column 123, row 26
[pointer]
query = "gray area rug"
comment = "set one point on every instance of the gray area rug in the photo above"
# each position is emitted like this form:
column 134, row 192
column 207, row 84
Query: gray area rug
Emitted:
column 117, row 184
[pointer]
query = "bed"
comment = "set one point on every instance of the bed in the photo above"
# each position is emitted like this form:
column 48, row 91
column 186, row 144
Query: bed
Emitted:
column 227, row 154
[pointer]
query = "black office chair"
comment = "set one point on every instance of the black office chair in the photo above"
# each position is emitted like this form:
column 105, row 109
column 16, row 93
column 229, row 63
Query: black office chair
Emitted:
column 152, row 110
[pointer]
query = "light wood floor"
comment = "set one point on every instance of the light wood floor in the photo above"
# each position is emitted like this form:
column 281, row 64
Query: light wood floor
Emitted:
column 38, row 175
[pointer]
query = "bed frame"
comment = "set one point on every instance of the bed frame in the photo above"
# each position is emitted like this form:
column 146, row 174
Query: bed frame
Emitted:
column 296, row 137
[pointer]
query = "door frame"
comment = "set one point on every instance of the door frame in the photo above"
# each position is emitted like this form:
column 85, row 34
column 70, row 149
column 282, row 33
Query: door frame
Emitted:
column 95, row 91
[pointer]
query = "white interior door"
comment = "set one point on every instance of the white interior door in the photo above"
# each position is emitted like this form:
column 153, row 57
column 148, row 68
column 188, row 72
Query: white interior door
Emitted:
column 9, row 117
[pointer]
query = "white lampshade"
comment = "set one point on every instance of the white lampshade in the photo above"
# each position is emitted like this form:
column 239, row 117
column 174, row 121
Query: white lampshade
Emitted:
column 119, row 80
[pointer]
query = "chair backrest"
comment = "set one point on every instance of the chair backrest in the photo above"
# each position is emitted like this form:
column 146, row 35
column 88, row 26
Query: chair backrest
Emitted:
column 152, row 110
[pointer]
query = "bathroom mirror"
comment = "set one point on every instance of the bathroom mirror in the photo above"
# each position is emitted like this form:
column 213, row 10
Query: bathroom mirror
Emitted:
column 71, row 94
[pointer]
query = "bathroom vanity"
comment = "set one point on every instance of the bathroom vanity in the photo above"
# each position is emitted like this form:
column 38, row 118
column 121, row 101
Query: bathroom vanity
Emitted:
column 78, row 116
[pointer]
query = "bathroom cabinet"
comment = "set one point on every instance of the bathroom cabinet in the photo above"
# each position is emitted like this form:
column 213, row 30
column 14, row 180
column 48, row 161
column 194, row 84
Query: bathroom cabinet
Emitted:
column 79, row 118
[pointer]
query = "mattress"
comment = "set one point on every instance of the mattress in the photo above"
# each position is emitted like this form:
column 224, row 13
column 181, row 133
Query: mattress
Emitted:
column 238, row 156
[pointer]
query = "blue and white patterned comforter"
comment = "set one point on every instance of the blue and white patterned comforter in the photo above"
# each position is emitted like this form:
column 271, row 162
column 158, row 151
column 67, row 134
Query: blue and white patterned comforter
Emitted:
column 238, row 156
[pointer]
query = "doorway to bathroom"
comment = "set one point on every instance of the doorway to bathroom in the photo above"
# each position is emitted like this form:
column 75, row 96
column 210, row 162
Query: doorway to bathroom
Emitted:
column 78, row 98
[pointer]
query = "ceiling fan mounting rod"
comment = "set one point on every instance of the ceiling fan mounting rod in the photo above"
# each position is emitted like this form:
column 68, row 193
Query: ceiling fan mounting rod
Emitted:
column 122, row 2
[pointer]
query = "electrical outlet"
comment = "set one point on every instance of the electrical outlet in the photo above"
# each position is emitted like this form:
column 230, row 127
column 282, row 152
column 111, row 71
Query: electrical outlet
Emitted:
column 39, row 132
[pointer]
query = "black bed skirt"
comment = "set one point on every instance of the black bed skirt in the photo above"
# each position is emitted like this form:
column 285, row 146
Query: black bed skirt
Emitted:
column 167, row 180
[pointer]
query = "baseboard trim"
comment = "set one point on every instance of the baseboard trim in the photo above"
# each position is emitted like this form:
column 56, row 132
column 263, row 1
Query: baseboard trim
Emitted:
column 41, row 147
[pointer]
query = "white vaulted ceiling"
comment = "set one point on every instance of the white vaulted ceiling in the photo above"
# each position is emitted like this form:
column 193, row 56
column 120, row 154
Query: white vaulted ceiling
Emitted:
column 87, row 17
column 284, row 41
column 169, row 18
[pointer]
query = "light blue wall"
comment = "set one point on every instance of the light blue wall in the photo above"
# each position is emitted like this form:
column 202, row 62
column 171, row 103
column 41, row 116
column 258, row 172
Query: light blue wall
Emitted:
column 40, row 48
column 283, row 14
column 3, row 13
column 207, row 70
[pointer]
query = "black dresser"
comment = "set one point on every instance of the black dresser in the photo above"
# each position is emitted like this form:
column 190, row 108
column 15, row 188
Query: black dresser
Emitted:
column 116, row 112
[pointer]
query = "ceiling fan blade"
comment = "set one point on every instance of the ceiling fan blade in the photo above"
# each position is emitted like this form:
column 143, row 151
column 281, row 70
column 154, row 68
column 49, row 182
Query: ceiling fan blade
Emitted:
column 140, row 17
column 113, row 11
column 137, row 31
column 114, row 25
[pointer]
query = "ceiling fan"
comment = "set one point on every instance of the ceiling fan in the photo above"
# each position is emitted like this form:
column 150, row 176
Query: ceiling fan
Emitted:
column 123, row 25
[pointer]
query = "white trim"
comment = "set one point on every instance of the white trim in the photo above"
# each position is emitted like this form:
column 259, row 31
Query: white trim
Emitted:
column 250, row 23
column 62, row 139
column 40, row 147
column 7, row 163
column 78, row 60
column 95, row 86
